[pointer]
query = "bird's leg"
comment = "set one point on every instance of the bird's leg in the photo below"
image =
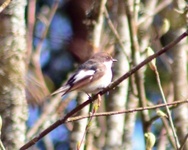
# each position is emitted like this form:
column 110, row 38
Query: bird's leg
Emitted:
column 88, row 95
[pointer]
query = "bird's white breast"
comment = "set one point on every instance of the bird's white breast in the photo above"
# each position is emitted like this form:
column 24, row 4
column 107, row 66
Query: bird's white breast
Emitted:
column 102, row 82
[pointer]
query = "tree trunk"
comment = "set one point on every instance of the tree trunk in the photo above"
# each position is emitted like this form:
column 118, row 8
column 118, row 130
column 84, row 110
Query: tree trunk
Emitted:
column 118, row 97
column 13, row 106
column 180, row 88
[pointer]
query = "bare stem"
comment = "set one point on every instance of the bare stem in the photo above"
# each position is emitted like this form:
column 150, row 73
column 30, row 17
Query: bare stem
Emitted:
column 184, row 142
column 4, row 5
column 72, row 119
column 167, row 109
column 115, row 32
column 98, row 26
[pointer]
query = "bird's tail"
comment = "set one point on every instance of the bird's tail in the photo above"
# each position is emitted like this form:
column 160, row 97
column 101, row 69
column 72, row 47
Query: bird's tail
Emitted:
column 62, row 90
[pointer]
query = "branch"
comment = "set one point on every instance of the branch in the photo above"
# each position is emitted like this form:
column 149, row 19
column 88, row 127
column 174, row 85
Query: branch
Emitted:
column 115, row 32
column 36, row 54
column 4, row 5
column 110, row 87
column 48, row 110
column 98, row 26
column 47, row 25
column 184, row 142
column 125, row 111
column 167, row 109
column 1, row 143
column 160, row 7
column 30, row 27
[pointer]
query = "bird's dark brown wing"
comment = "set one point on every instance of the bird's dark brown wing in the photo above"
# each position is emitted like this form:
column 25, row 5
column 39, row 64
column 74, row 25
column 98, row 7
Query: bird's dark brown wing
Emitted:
column 74, row 85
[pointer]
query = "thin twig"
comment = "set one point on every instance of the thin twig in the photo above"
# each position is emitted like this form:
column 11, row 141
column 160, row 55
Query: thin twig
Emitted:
column 184, row 142
column 98, row 26
column 1, row 144
column 72, row 119
column 47, row 111
column 4, row 5
column 113, row 29
column 169, row 132
column 159, row 8
column 47, row 25
column 31, row 21
column 110, row 87
column 167, row 109
column 36, row 54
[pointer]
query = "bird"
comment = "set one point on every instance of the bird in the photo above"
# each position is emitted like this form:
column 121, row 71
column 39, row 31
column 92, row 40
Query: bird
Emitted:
column 91, row 77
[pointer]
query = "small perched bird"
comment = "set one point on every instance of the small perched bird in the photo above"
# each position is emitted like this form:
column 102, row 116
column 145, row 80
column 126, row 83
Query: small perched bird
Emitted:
column 92, row 76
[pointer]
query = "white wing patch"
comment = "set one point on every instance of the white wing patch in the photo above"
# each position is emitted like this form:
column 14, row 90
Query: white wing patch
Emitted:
column 82, row 74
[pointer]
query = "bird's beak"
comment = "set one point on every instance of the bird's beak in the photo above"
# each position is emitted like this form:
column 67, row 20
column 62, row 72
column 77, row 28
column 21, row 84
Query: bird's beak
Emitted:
column 114, row 60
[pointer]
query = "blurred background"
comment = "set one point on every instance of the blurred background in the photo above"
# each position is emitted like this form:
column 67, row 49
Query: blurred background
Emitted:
column 59, row 35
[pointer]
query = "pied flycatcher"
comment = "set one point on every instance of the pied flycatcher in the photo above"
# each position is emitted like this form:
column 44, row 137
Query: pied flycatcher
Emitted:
column 91, row 77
